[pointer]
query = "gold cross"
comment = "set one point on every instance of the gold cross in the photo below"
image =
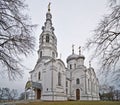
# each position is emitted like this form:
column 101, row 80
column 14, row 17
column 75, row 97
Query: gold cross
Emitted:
column 89, row 63
column 73, row 49
column 49, row 6
column 79, row 50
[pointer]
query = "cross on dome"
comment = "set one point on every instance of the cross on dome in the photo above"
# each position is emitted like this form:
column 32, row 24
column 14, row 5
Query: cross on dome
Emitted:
column 73, row 49
column 79, row 50
column 49, row 6
column 89, row 63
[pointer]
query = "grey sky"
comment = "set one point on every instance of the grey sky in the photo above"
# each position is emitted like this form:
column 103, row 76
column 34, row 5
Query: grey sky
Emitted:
column 73, row 21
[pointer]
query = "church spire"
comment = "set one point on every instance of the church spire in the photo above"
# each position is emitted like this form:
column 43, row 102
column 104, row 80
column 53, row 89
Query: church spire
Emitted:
column 48, row 40
column 48, row 24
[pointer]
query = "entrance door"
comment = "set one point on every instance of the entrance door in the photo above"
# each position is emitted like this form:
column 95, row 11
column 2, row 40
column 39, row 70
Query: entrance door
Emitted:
column 38, row 93
column 77, row 94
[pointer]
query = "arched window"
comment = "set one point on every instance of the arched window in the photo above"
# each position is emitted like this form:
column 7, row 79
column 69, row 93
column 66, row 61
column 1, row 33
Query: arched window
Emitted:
column 42, row 39
column 66, row 83
column 53, row 54
column 53, row 38
column 70, row 66
column 66, row 91
column 77, row 81
column 47, row 38
column 39, row 75
column 75, row 66
column 40, row 54
column 59, row 79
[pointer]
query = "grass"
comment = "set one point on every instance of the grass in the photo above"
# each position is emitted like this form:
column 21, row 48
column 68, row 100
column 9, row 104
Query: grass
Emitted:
column 72, row 103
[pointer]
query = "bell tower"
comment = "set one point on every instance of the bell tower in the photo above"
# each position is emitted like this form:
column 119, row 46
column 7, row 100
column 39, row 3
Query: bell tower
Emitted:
column 47, row 40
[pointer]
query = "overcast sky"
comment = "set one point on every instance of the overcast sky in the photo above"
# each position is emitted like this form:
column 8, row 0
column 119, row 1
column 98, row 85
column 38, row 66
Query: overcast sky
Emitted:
column 73, row 20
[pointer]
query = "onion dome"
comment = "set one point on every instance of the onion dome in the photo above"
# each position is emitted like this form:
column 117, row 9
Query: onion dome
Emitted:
column 75, row 56
column 81, row 56
column 72, row 56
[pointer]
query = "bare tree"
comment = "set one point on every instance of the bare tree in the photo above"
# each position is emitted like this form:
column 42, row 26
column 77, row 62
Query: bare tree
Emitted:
column 117, row 95
column 15, row 36
column 106, row 40
column 7, row 94
column 1, row 93
column 13, row 94
column 22, row 95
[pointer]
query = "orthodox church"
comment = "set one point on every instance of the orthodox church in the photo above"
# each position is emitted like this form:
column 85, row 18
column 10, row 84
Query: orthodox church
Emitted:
column 51, row 80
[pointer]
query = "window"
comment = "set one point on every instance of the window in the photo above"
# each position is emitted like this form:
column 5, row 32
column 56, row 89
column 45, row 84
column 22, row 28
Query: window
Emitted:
column 40, row 54
column 75, row 66
column 59, row 79
column 47, row 38
column 66, row 83
column 42, row 39
column 53, row 54
column 77, row 81
column 53, row 38
column 70, row 66
column 39, row 74
column 66, row 91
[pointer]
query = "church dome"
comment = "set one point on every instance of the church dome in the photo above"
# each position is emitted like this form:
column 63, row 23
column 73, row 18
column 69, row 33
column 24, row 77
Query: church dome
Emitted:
column 75, row 56
column 81, row 56
column 72, row 56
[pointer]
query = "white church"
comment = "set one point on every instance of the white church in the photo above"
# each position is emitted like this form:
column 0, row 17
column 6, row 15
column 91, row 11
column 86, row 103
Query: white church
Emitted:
column 51, row 80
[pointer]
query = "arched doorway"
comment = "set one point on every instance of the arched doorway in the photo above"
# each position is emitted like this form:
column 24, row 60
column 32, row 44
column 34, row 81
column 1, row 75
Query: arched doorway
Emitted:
column 38, row 93
column 77, row 94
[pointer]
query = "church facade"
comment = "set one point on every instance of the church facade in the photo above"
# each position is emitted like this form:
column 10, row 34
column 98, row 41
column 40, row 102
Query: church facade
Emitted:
column 51, row 80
